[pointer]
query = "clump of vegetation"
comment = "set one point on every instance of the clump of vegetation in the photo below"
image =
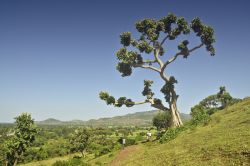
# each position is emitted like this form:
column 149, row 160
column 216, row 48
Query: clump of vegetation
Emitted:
column 162, row 120
column 201, row 112
column 80, row 141
column 21, row 139
column 172, row 133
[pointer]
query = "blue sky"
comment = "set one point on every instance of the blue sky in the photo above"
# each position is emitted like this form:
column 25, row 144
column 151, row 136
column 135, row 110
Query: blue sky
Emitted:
column 56, row 55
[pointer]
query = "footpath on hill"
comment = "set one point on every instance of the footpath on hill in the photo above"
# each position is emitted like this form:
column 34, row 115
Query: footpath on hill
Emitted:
column 126, row 152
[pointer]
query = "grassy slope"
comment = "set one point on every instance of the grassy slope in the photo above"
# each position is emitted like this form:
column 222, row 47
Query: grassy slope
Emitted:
column 48, row 161
column 225, row 141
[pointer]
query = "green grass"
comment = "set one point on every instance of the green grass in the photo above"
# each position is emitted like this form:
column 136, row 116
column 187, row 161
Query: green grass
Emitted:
column 48, row 161
column 224, row 141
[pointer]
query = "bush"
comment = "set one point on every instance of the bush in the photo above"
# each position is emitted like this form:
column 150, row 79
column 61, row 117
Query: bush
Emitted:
column 138, row 138
column 172, row 133
column 162, row 120
column 130, row 141
column 199, row 115
column 211, row 111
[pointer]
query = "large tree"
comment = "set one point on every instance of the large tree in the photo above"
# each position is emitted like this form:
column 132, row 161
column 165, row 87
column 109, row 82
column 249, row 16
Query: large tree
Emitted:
column 24, row 135
column 153, row 35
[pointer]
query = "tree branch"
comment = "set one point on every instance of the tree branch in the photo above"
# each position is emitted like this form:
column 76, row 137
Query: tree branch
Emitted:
column 147, row 67
column 162, row 42
column 177, row 54
column 157, row 58
column 149, row 61
column 199, row 46
column 158, row 106
column 135, row 103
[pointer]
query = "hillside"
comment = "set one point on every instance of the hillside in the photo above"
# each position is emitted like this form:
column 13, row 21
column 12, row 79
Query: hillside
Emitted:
column 51, row 121
column 224, row 141
column 134, row 119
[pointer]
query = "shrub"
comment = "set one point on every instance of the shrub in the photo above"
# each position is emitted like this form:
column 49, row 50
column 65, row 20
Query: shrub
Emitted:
column 162, row 120
column 199, row 115
column 130, row 141
column 172, row 133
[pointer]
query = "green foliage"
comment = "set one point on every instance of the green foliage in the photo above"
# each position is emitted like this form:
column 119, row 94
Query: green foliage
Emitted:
column 80, row 140
column 125, row 38
column 152, row 36
column 111, row 100
column 24, row 135
column 199, row 115
column 223, row 142
column 168, row 88
column 124, row 68
column 106, row 97
column 130, row 141
column 144, row 46
column 211, row 104
column 150, row 30
column 162, row 120
column 147, row 91
column 172, row 133
column 206, row 33
column 183, row 48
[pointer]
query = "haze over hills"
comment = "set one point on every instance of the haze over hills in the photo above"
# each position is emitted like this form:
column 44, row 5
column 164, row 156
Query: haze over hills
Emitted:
column 134, row 119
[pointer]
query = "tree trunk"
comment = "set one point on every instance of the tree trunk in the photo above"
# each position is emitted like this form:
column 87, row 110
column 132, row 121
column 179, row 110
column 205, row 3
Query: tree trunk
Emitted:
column 175, row 116
column 15, row 163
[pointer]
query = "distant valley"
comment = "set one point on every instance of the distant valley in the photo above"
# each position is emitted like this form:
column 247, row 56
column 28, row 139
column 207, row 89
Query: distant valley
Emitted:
column 134, row 119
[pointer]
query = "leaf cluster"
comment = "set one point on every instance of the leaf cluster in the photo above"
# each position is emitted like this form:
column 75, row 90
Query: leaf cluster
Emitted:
column 206, row 34
column 110, row 100
column 168, row 88
column 147, row 91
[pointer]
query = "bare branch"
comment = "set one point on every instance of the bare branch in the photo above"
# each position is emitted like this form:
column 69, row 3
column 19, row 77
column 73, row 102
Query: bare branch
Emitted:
column 139, row 103
column 157, row 58
column 134, row 103
column 149, row 61
column 176, row 55
column 199, row 46
column 147, row 67
column 159, row 106
column 162, row 42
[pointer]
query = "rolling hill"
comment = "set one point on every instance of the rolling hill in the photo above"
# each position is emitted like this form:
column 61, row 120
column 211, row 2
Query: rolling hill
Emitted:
column 134, row 119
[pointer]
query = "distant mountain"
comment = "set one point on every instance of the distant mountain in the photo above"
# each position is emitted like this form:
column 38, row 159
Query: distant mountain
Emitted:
column 51, row 121
column 133, row 119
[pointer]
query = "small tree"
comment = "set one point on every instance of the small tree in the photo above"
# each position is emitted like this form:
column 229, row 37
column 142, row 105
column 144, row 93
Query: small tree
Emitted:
column 80, row 140
column 152, row 40
column 218, row 101
column 24, row 135
column 162, row 120
column 200, row 112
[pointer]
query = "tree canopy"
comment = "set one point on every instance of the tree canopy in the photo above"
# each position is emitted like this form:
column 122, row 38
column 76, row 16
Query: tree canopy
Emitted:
column 135, row 53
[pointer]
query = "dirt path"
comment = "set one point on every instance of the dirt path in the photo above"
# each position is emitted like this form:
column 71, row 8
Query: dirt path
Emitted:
column 128, row 151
